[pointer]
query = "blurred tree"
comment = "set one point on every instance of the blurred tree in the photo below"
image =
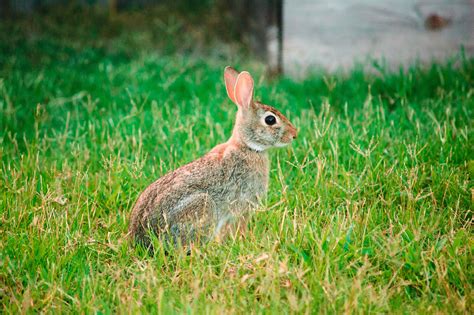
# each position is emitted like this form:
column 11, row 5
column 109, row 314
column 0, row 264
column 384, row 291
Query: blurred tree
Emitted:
column 4, row 8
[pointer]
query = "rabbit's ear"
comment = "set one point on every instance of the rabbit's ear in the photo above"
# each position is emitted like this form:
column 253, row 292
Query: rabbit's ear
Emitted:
column 244, row 90
column 230, row 78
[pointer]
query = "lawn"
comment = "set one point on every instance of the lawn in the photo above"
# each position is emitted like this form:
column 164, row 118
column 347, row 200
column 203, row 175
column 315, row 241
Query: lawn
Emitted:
column 369, row 211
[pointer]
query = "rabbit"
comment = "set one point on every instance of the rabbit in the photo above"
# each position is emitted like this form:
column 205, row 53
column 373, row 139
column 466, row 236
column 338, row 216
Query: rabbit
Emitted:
column 213, row 194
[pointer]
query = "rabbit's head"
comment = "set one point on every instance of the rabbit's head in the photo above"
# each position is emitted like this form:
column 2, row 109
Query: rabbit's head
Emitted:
column 258, row 126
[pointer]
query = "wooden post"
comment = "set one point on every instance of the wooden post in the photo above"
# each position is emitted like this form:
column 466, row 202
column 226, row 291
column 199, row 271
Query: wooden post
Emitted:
column 279, row 25
column 259, row 23
column 112, row 8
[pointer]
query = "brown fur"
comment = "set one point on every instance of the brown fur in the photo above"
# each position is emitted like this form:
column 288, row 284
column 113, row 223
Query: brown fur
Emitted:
column 208, row 195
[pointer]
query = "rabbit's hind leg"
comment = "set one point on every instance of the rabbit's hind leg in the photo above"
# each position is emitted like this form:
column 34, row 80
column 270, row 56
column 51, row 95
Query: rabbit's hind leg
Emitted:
column 192, row 217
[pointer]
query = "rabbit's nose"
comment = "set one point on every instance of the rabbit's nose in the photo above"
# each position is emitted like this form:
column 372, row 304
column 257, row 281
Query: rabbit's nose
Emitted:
column 295, row 134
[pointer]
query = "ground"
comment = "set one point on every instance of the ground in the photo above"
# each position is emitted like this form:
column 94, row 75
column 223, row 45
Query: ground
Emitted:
column 369, row 211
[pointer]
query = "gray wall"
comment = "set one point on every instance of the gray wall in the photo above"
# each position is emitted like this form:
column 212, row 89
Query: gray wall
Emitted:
column 335, row 34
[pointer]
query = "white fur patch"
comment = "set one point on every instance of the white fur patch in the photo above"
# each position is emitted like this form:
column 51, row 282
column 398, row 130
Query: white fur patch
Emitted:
column 256, row 146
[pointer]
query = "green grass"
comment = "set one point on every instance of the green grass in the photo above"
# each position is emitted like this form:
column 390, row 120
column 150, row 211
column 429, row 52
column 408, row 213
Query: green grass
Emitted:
column 370, row 210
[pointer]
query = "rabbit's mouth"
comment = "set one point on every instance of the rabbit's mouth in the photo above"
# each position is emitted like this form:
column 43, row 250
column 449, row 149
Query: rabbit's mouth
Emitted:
column 286, row 140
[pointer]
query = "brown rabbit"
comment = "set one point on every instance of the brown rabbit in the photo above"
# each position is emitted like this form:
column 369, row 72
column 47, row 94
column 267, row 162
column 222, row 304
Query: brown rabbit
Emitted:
column 208, row 196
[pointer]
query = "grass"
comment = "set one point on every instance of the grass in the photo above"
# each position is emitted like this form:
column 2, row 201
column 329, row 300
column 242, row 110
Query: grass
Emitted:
column 370, row 211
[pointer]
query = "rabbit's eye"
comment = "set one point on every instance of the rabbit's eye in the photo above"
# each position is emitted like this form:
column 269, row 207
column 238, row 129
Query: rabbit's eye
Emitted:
column 270, row 120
